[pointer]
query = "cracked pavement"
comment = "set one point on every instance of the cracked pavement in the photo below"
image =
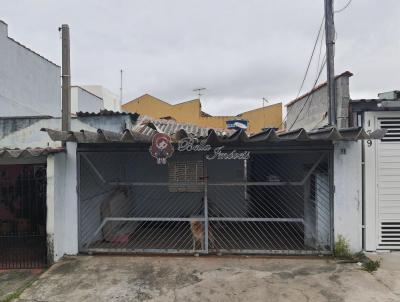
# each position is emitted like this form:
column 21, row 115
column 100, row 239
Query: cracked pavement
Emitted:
column 154, row 278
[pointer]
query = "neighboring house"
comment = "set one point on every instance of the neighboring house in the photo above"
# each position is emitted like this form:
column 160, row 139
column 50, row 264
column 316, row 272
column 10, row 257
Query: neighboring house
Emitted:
column 381, row 170
column 85, row 101
column 29, row 83
column 191, row 112
column 372, row 181
column 309, row 111
column 30, row 181
column 35, row 180
column 110, row 100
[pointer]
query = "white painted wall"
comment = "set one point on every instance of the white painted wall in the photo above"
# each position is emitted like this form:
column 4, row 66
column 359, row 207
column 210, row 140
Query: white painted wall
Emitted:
column 348, row 193
column 110, row 99
column 62, row 202
column 70, row 238
column 27, row 134
column 55, row 204
column 83, row 100
column 310, row 112
column 29, row 84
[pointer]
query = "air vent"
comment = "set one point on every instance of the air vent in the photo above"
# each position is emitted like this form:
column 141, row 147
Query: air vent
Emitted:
column 183, row 172
column 390, row 235
column 392, row 125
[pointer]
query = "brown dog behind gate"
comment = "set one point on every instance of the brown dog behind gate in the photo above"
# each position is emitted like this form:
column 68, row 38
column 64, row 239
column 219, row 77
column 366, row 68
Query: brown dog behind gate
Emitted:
column 197, row 228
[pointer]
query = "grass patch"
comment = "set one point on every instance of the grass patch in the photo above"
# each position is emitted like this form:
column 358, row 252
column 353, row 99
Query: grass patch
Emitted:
column 371, row 265
column 18, row 292
column 342, row 249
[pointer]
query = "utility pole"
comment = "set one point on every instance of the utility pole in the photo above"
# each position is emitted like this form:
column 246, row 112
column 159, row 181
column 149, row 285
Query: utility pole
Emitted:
column 66, row 79
column 330, row 61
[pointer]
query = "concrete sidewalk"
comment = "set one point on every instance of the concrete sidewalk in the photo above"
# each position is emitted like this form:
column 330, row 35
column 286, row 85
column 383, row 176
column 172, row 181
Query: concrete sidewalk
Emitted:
column 389, row 271
column 14, row 281
column 123, row 278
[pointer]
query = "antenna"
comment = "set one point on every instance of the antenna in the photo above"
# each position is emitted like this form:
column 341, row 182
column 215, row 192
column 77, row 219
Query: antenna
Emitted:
column 264, row 100
column 199, row 91
column 120, row 90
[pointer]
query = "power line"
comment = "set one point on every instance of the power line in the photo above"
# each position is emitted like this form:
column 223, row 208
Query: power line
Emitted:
column 311, row 57
column 308, row 67
column 310, row 95
column 343, row 8
column 320, row 51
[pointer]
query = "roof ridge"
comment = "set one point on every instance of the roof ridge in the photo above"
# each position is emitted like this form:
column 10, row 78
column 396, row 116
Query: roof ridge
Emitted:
column 32, row 51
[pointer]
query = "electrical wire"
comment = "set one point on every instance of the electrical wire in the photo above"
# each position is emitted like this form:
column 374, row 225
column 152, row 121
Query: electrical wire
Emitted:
column 319, row 68
column 343, row 8
column 311, row 57
column 319, row 60
column 308, row 67
column 320, row 51
column 310, row 95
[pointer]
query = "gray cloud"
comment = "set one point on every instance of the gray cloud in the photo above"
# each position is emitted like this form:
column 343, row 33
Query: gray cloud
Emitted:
column 240, row 50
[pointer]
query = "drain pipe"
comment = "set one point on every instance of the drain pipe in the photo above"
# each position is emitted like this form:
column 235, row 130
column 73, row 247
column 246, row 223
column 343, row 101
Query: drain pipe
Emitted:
column 362, row 120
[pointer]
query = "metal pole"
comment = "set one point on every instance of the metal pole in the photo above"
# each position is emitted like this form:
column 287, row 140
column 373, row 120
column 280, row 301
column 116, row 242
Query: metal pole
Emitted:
column 206, row 223
column 330, row 48
column 66, row 80
column 120, row 96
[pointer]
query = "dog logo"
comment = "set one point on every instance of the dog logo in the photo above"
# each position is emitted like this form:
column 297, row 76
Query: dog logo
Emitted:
column 161, row 148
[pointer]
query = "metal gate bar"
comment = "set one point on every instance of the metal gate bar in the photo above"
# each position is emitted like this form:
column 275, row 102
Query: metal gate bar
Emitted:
column 280, row 205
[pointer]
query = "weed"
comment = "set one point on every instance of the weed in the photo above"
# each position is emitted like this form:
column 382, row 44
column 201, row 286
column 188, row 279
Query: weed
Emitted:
column 371, row 265
column 342, row 249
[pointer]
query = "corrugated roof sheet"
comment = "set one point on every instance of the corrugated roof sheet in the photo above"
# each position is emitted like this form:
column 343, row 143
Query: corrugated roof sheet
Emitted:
column 213, row 138
column 171, row 127
column 105, row 112
column 28, row 152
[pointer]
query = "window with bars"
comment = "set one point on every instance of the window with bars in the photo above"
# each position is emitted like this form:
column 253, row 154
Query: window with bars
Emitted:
column 186, row 176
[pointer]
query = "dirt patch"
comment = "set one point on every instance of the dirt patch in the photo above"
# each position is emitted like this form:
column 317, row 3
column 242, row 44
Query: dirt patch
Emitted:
column 66, row 267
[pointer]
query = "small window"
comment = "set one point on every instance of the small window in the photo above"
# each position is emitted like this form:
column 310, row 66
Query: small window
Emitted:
column 186, row 176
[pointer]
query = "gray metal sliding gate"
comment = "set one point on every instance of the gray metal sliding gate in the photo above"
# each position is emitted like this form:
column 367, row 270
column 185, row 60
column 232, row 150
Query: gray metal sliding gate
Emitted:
column 277, row 202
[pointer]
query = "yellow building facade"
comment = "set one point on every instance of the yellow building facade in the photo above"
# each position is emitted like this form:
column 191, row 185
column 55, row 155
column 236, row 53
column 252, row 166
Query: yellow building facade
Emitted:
column 190, row 112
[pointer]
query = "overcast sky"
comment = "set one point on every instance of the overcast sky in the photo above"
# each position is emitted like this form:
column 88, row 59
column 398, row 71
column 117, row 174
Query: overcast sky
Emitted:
column 239, row 50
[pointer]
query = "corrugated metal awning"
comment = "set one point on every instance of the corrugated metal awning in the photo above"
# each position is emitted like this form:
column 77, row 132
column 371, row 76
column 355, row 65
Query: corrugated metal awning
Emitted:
column 238, row 137
column 28, row 152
